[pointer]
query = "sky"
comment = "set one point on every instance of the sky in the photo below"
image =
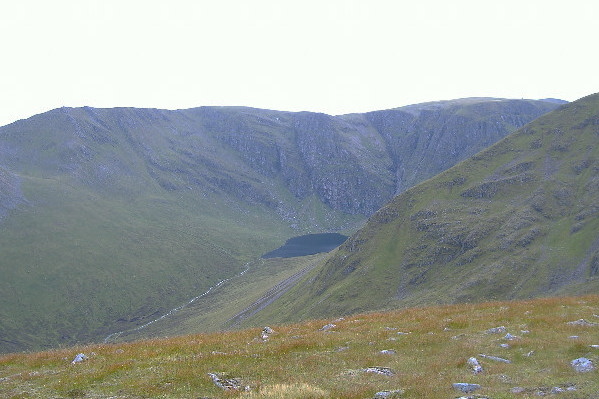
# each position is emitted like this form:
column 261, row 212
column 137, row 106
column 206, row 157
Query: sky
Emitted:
column 331, row 56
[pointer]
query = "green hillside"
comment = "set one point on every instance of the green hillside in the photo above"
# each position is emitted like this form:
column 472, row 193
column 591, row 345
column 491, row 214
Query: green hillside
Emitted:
column 109, row 218
column 518, row 220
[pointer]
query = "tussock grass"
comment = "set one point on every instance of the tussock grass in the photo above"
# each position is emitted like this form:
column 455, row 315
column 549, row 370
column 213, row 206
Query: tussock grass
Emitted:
column 431, row 347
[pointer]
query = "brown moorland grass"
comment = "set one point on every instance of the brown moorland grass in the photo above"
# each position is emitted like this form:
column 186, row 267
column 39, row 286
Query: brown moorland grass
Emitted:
column 429, row 351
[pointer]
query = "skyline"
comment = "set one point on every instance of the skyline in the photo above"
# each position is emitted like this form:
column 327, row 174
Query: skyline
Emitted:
column 332, row 56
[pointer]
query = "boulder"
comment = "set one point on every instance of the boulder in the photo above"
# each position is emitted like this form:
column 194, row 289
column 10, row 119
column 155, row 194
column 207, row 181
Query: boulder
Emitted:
column 380, row 370
column 227, row 383
column 389, row 394
column 582, row 365
column 79, row 358
column 465, row 387
column 475, row 365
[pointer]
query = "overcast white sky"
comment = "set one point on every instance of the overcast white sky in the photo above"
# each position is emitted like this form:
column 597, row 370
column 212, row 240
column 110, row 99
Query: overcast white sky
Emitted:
column 332, row 56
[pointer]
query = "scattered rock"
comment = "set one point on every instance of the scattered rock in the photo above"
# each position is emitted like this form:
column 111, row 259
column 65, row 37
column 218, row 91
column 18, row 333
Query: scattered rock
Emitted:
column 227, row 383
column 475, row 365
column 268, row 330
column 388, row 352
column 266, row 333
column 505, row 345
column 495, row 358
column 573, row 337
column 380, row 370
column 594, row 346
column 582, row 365
column 465, row 387
column 510, row 337
column 582, row 322
column 497, row 330
column 396, row 393
column 529, row 354
column 544, row 391
column 328, row 327
column 79, row 358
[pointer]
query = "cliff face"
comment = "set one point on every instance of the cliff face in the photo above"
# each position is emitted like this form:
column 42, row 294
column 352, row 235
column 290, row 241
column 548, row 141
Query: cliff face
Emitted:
column 352, row 163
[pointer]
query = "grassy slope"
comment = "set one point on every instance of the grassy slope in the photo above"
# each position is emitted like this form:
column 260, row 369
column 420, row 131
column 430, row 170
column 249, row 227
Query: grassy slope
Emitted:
column 518, row 220
column 222, row 308
column 300, row 361
column 123, row 260
column 91, row 252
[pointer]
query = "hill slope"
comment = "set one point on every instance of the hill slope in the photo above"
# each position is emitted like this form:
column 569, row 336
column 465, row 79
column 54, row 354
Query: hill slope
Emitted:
column 110, row 217
column 518, row 220
column 525, row 350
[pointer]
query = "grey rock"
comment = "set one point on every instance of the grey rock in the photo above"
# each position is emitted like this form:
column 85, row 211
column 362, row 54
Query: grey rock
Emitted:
column 388, row 352
column 389, row 394
column 328, row 327
column 465, row 387
column 497, row 330
column 268, row 330
column 510, row 337
column 380, row 370
column 227, row 383
column 582, row 322
column 495, row 358
column 475, row 365
column 582, row 365
column 79, row 358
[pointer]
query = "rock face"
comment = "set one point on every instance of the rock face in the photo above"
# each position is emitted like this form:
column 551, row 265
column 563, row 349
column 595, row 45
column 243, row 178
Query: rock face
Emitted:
column 352, row 163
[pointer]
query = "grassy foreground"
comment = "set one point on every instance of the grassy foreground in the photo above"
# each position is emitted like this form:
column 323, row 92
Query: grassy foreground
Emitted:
column 428, row 350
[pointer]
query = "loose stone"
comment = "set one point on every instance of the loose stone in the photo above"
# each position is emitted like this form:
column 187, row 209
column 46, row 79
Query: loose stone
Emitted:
column 497, row 359
column 79, row 358
column 475, row 365
column 380, row 370
column 465, row 387
column 389, row 394
column 582, row 365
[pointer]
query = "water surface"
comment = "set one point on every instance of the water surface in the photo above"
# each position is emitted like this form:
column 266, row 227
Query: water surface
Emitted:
column 308, row 244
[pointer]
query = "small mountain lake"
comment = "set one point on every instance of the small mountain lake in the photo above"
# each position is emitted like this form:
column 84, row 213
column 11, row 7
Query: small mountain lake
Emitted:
column 308, row 244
